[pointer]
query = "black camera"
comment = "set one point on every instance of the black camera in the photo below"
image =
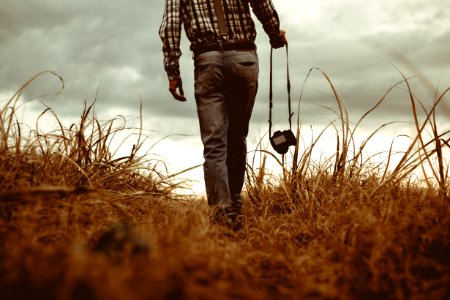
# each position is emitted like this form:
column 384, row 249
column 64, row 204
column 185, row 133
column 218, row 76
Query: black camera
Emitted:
column 281, row 141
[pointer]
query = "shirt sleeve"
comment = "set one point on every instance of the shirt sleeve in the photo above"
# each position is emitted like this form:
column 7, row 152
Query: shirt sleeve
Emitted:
column 267, row 15
column 170, row 33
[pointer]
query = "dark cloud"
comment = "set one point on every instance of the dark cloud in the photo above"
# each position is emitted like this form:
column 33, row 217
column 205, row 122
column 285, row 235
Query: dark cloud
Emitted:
column 111, row 50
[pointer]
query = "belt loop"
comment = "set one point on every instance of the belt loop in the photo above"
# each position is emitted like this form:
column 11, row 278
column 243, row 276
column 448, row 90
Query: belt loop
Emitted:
column 220, row 42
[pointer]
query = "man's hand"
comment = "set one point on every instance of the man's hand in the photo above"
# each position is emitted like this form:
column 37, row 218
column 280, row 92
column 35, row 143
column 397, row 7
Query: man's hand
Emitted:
column 279, row 41
column 175, row 84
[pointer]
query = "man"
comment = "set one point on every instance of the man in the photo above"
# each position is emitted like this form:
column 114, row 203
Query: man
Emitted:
column 222, row 35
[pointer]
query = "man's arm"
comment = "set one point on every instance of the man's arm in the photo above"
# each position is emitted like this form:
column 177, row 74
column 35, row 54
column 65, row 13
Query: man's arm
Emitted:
column 170, row 33
column 267, row 15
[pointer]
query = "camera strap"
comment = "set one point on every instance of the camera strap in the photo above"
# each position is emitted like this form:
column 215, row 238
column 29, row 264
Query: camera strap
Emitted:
column 290, row 114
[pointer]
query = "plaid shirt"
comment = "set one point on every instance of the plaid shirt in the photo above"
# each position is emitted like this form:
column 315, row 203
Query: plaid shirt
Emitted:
column 201, row 26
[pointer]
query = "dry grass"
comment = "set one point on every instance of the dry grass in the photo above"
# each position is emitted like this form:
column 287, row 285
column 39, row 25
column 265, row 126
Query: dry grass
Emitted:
column 76, row 223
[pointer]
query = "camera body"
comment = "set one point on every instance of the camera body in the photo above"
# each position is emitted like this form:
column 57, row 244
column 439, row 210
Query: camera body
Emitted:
column 281, row 141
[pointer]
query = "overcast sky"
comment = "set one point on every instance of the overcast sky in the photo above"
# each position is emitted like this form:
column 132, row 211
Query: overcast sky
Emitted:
column 111, row 49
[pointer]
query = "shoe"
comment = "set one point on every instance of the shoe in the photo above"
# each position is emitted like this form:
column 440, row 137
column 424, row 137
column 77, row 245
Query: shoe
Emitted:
column 220, row 217
column 237, row 223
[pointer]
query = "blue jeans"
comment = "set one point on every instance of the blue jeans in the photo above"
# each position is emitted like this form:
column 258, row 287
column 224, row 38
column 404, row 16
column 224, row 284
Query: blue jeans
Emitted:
column 225, row 89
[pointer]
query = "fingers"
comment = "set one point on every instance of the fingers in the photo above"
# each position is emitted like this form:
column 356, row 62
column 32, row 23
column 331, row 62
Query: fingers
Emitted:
column 173, row 86
column 283, row 37
column 178, row 96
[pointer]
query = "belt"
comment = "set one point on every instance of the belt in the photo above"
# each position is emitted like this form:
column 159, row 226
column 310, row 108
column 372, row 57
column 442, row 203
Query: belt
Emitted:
column 225, row 45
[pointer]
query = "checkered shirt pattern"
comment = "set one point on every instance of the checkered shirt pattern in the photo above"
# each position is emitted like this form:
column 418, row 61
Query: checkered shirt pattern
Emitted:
column 200, row 23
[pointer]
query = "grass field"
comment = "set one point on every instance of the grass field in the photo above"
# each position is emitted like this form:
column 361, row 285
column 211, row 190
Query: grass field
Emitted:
column 76, row 222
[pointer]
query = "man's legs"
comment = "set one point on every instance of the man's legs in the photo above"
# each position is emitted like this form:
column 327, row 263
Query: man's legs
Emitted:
column 241, row 89
column 213, row 118
column 225, row 90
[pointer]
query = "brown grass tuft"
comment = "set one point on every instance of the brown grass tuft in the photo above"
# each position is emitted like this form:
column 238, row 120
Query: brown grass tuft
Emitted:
column 78, row 223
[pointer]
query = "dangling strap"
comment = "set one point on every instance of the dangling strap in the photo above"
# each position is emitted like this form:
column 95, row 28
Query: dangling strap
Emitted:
column 288, row 90
column 220, row 14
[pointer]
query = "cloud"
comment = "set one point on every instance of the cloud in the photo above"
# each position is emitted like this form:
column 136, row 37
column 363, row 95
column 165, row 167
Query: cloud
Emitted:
column 109, row 47
column 111, row 50
column 364, row 47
